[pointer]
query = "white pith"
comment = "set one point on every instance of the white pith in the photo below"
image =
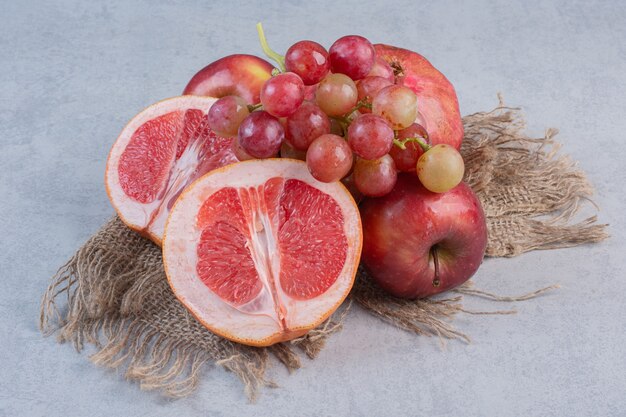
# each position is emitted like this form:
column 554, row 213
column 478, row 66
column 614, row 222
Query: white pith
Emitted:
column 137, row 214
column 258, row 319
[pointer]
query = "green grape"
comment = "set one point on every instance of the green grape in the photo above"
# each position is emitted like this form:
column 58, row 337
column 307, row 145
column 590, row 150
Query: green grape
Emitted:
column 397, row 104
column 336, row 94
column 441, row 168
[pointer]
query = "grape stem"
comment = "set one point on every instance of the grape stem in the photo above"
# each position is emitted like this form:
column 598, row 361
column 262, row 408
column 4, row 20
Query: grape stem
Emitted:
column 343, row 119
column 347, row 118
column 253, row 107
column 420, row 141
column 360, row 104
column 280, row 60
column 344, row 122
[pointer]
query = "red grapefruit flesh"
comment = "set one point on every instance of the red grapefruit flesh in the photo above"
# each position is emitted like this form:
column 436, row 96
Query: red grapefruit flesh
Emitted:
column 260, row 252
column 160, row 151
column 436, row 99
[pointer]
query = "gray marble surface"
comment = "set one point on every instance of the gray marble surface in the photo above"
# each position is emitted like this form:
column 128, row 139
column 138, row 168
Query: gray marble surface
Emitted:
column 72, row 73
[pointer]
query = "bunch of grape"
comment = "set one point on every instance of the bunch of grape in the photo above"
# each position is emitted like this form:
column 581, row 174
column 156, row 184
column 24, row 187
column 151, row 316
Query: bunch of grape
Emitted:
column 343, row 113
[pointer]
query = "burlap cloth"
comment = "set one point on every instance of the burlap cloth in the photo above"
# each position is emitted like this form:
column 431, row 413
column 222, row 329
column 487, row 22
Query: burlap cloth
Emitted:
column 113, row 292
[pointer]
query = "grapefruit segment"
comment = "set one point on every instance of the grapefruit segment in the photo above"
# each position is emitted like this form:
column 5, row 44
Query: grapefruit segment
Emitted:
column 225, row 264
column 260, row 252
column 312, row 250
column 162, row 150
column 144, row 165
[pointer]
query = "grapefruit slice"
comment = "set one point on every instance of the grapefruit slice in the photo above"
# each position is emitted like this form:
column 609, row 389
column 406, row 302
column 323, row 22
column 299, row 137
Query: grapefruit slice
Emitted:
column 260, row 252
column 160, row 151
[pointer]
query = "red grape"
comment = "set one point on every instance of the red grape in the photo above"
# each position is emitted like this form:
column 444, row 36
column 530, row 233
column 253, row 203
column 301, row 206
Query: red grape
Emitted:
column 226, row 114
column 375, row 178
column 336, row 94
column 370, row 136
column 288, row 151
column 348, row 182
column 336, row 127
column 397, row 104
column 368, row 87
column 305, row 125
column 282, row 94
column 309, row 92
column 309, row 60
column 329, row 158
column 240, row 152
column 352, row 55
column 406, row 159
column 261, row 134
column 382, row 69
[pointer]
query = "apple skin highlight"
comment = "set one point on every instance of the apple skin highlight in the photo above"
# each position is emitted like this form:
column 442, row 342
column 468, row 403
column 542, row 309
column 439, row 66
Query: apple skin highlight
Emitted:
column 239, row 75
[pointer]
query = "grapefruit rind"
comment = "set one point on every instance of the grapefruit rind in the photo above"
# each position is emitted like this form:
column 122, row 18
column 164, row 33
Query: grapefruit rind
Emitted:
column 180, row 257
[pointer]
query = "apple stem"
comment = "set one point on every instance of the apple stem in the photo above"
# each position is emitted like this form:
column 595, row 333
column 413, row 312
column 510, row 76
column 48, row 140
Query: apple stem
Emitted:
column 420, row 141
column 436, row 280
column 280, row 60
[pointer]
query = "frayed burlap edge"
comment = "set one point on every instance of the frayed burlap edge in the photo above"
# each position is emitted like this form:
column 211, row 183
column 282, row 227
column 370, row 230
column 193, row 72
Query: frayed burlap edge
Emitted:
column 114, row 294
column 529, row 191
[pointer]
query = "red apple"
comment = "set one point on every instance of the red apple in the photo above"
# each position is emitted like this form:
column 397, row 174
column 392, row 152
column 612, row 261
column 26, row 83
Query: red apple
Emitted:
column 417, row 243
column 239, row 75
column 436, row 98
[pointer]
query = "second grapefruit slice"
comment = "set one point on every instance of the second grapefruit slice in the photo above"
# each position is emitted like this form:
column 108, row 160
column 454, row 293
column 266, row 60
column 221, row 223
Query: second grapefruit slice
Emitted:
column 261, row 252
column 159, row 152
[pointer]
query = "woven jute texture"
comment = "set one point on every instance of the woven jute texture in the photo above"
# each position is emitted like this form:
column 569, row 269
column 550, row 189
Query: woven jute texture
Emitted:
column 113, row 292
